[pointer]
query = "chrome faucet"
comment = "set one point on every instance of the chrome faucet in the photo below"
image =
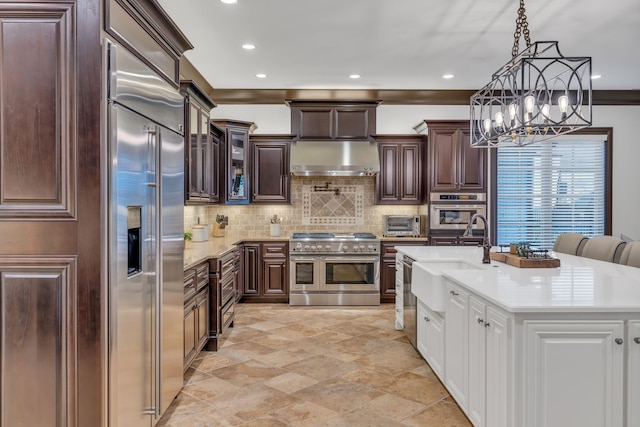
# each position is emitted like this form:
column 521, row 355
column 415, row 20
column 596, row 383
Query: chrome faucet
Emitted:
column 486, row 244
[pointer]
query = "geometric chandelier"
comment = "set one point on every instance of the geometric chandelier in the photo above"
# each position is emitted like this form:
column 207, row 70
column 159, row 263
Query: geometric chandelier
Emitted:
column 537, row 95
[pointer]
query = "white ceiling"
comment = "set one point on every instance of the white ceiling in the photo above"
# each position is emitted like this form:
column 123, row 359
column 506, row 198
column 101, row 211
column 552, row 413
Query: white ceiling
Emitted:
column 398, row 44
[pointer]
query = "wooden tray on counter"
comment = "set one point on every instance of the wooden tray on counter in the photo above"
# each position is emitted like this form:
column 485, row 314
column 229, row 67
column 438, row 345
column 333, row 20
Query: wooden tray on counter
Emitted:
column 521, row 262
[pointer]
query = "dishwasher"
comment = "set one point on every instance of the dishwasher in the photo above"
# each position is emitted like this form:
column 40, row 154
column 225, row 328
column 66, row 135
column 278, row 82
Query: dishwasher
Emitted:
column 410, row 312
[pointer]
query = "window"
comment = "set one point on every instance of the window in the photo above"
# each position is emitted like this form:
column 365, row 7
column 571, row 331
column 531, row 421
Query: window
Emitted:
column 553, row 187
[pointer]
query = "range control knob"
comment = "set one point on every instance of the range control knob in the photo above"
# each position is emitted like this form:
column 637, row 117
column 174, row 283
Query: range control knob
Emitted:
column 345, row 248
column 306, row 247
column 313, row 247
column 328, row 247
column 298, row 246
column 362, row 247
column 372, row 248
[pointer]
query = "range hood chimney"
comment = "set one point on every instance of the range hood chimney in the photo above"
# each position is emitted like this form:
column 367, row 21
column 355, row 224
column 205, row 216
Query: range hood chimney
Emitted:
column 334, row 158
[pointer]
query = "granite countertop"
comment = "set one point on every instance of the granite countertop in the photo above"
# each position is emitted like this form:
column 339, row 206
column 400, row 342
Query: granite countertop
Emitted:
column 578, row 285
column 215, row 247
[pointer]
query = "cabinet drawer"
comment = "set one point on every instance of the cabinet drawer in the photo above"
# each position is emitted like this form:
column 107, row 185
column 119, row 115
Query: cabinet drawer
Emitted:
column 202, row 275
column 189, row 283
column 270, row 250
column 226, row 267
column 227, row 315
column 227, row 292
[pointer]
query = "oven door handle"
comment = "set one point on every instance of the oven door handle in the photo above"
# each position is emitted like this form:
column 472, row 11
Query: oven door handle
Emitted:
column 352, row 259
column 296, row 259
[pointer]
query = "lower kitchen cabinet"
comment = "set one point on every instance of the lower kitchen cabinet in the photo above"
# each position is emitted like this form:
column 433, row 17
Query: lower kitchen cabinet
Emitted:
column 222, row 285
column 196, row 311
column 574, row 373
column 633, row 373
column 196, row 326
column 266, row 272
column 431, row 338
column 388, row 267
column 457, row 345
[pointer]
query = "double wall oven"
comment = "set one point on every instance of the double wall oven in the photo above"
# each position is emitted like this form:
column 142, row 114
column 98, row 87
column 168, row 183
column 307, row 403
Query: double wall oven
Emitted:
column 334, row 269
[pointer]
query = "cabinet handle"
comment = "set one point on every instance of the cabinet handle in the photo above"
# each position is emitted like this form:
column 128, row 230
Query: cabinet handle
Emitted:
column 486, row 325
column 397, row 310
column 454, row 293
column 480, row 320
column 427, row 319
column 636, row 340
column 619, row 341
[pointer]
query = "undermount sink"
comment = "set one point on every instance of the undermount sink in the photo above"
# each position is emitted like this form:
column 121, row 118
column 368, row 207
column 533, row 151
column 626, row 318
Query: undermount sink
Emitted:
column 427, row 284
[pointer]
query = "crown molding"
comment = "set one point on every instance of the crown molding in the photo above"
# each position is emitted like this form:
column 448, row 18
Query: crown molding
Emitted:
column 388, row 96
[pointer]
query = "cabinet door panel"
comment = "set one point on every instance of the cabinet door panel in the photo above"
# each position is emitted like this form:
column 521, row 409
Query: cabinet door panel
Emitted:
column 456, row 332
column 477, row 360
column 388, row 190
column 251, row 269
column 561, row 355
column 472, row 163
column 388, row 281
column 189, row 324
column 498, row 396
column 410, row 188
column 270, row 174
column 633, row 374
column 202, row 309
column 353, row 123
column 443, row 160
column 274, row 274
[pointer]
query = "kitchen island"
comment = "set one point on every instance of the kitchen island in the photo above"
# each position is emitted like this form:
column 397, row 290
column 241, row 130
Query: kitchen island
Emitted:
column 530, row 347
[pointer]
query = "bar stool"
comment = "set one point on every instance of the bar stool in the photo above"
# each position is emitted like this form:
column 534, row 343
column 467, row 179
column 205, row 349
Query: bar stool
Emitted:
column 631, row 254
column 570, row 243
column 604, row 248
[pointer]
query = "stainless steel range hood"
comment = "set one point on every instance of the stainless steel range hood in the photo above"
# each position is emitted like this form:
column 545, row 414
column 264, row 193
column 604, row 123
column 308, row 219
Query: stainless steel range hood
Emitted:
column 334, row 158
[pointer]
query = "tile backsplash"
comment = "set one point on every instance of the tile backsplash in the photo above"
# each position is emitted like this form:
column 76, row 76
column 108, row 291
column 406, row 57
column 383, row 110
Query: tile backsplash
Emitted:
column 335, row 204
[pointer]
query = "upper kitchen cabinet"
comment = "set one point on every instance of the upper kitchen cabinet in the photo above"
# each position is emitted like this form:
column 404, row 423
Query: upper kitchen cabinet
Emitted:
column 400, row 180
column 270, row 181
column 237, row 176
column 200, row 165
column 331, row 120
column 453, row 164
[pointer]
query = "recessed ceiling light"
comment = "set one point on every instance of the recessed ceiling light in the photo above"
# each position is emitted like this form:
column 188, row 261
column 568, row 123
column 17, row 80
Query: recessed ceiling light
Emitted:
column 248, row 46
column 595, row 76
column 354, row 76
column 261, row 75
column 447, row 76
column 229, row 1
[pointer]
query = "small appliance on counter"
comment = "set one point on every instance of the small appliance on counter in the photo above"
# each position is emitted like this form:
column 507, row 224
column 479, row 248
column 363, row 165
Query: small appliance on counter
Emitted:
column 404, row 225
column 200, row 232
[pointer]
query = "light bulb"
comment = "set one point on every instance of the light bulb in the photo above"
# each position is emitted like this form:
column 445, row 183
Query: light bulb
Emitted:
column 545, row 110
column 529, row 103
column 487, row 125
column 563, row 103
column 513, row 110
column 499, row 121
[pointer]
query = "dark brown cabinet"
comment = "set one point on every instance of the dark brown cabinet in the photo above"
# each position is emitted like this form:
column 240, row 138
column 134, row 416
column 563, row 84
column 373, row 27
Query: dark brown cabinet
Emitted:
column 453, row 164
column 388, row 267
column 236, row 150
column 270, row 181
column 326, row 120
column 222, row 285
column 196, row 311
column 266, row 272
column 201, row 164
column 400, row 180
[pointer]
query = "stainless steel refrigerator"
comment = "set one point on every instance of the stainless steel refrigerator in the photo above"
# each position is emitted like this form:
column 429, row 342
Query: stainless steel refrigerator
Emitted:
column 145, row 118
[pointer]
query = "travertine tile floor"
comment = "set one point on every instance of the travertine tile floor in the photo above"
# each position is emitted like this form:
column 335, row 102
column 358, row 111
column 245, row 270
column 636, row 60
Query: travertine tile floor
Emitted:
column 313, row 366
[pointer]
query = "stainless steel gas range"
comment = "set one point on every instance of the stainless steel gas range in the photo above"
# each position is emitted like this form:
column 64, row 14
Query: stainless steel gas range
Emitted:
column 334, row 269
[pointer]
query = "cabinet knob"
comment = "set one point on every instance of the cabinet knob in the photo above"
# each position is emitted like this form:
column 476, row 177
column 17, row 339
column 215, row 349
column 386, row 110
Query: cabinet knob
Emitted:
column 397, row 310
column 636, row 340
column 427, row 319
column 480, row 320
column 619, row 341
column 486, row 325
column 454, row 293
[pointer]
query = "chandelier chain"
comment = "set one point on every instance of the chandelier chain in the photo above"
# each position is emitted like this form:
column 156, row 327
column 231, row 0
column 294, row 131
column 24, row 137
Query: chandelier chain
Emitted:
column 522, row 28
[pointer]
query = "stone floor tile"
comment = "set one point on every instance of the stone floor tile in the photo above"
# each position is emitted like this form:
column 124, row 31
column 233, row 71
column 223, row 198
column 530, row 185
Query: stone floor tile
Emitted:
column 248, row 372
column 444, row 413
column 304, row 414
column 290, row 382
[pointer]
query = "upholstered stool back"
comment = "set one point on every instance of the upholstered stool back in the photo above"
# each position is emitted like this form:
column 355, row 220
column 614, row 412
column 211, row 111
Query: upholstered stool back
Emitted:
column 631, row 254
column 570, row 243
column 604, row 248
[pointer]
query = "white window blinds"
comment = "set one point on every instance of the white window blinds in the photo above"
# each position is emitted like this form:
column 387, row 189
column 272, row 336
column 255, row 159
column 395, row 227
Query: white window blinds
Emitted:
column 550, row 188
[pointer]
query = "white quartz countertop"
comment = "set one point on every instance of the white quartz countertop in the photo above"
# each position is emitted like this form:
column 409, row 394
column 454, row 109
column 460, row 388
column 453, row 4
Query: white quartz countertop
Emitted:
column 578, row 285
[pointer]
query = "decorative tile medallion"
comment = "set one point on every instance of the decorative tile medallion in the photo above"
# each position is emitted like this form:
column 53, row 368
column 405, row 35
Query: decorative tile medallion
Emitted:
column 338, row 205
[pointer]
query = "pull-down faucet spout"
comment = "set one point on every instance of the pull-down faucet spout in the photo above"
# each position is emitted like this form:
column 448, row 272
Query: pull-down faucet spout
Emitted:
column 486, row 244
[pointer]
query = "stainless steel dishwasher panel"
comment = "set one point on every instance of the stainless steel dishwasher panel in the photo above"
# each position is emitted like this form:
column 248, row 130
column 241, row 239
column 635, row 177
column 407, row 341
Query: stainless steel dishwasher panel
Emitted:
column 410, row 312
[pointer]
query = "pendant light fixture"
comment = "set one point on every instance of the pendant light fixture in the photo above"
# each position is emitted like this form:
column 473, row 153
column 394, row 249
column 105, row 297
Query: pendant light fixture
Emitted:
column 535, row 96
